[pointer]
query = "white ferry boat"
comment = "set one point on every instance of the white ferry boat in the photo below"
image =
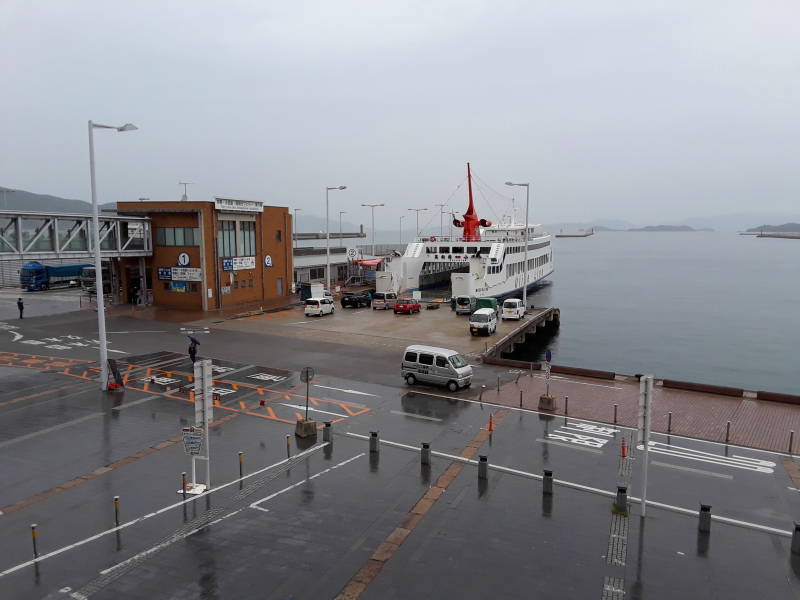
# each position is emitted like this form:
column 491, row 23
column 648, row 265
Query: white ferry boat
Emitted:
column 486, row 261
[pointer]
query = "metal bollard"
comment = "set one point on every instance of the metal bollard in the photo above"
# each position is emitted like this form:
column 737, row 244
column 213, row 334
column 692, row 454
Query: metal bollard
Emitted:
column 33, row 539
column 566, row 405
column 241, row 464
column 621, row 500
column 615, row 414
column 373, row 442
column 116, row 510
column 326, row 432
column 796, row 538
column 727, row 432
column 480, row 398
column 547, row 483
column 791, row 441
column 519, row 372
column 483, row 467
column 669, row 422
column 520, row 398
column 183, row 485
column 704, row 524
column 288, row 446
column 498, row 384
column 530, row 372
column 425, row 454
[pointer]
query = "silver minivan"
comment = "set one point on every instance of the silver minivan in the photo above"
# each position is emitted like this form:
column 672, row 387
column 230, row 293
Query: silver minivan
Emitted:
column 428, row 364
column 385, row 300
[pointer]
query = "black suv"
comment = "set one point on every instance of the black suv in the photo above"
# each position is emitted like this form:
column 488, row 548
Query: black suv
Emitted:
column 356, row 299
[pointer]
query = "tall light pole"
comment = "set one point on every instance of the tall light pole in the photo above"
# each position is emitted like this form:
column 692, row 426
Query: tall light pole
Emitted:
column 401, row 228
column 294, row 229
column 98, row 263
column 185, row 196
column 416, row 210
column 341, row 212
column 372, row 206
column 527, row 187
column 328, row 235
column 441, row 212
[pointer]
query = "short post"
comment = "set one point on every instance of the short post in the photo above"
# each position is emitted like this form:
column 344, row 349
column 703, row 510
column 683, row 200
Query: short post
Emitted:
column 566, row 405
column 669, row 422
column 498, row 384
column 727, row 432
column 547, row 483
column 326, row 432
column 241, row 464
column 373, row 442
column 33, row 539
column 425, row 454
column 615, row 414
column 520, row 398
column 704, row 524
column 530, row 372
column 791, row 441
column 116, row 511
column 480, row 398
column 796, row 538
column 621, row 500
column 183, row 485
column 483, row 467
column 288, row 446
column 519, row 372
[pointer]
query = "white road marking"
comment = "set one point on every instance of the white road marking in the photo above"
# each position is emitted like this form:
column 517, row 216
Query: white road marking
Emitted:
column 135, row 402
column 312, row 409
column 17, row 336
column 347, row 391
column 586, row 488
column 97, row 536
column 34, row 434
column 691, row 470
column 299, row 483
column 569, row 445
column 610, row 387
column 110, row 350
column 143, row 331
column 406, row 414
column 298, row 322
column 735, row 461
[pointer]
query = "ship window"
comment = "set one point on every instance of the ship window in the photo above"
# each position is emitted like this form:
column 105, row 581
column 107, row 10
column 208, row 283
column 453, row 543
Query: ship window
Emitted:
column 444, row 250
column 458, row 249
column 472, row 249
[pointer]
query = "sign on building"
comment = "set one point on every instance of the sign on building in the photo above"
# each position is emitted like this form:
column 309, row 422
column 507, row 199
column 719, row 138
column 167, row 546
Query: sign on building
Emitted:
column 233, row 205
column 186, row 274
column 239, row 263
column 165, row 273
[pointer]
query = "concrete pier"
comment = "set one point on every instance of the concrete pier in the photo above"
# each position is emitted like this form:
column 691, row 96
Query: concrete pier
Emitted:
column 537, row 320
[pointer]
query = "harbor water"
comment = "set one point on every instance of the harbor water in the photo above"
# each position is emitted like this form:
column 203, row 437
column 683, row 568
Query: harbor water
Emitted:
column 709, row 307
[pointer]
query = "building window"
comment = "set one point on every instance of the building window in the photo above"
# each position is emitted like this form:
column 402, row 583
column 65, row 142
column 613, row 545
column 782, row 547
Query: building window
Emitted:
column 279, row 282
column 247, row 238
column 277, row 235
column 177, row 236
column 226, row 239
column 317, row 273
column 251, row 283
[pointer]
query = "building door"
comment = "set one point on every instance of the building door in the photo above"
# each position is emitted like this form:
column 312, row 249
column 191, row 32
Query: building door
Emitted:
column 280, row 286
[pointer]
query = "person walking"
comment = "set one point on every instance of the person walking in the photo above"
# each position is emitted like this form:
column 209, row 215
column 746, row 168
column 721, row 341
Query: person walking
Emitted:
column 20, row 306
column 193, row 352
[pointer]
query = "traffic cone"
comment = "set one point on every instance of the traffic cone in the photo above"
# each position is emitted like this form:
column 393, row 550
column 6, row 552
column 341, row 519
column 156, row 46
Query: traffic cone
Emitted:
column 491, row 422
column 624, row 449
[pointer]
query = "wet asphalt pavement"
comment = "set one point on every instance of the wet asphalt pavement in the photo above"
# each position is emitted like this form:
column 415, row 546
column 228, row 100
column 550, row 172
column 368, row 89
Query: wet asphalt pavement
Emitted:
column 303, row 529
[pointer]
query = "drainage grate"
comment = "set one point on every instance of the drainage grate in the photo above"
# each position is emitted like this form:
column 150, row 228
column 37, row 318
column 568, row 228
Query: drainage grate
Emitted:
column 613, row 588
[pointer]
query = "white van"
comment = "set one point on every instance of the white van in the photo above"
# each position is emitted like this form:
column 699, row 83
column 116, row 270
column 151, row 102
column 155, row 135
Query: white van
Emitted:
column 385, row 300
column 316, row 307
column 513, row 309
column 483, row 320
column 441, row 366
column 464, row 305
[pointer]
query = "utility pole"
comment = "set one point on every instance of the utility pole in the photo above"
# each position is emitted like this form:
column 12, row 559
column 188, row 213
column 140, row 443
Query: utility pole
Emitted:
column 441, row 212
column 341, row 212
column 417, row 210
column 372, row 206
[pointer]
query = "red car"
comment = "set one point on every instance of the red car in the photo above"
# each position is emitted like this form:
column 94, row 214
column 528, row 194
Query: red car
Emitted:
column 406, row 305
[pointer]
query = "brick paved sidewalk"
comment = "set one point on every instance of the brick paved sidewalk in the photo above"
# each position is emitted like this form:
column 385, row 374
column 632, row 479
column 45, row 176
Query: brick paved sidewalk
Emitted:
column 754, row 423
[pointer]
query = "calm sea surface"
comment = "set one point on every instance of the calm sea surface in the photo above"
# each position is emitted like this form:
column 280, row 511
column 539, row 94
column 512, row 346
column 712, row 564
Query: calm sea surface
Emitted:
column 709, row 307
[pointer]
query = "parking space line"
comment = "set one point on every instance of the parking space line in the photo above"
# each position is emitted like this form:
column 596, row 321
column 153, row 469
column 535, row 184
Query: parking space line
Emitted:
column 691, row 470
column 573, row 446
column 407, row 414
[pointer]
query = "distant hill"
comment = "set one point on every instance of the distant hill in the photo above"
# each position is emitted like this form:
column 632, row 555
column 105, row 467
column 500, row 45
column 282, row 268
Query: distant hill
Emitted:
column 739, row 221
column 11, row 199
column 786, row 227
column 668, row 228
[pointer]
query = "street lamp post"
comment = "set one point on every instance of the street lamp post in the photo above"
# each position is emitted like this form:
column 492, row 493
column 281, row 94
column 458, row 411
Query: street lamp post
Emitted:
column 527, row 187
column 372, row 206
column 98, row 263
column 294, row 229
column 328, row 235
column 441, row 212
column 5, row 198
column 341, row 212
column 401, row 228
column 417, row 210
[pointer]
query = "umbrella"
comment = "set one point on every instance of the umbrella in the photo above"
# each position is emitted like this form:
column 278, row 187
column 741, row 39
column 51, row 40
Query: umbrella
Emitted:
column 194, row 340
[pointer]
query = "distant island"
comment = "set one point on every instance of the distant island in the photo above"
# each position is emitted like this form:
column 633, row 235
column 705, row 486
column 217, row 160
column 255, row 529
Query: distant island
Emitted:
column 668, row 228
column 785, row 228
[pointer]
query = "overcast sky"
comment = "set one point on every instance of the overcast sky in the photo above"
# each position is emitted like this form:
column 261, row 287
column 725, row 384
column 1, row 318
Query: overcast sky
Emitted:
column 648, row 111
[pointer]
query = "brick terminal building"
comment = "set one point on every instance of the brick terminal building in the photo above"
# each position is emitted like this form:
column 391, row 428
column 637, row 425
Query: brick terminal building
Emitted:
column 213, row 254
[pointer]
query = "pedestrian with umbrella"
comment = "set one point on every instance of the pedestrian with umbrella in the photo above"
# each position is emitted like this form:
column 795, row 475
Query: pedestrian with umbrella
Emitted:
column 193, row 348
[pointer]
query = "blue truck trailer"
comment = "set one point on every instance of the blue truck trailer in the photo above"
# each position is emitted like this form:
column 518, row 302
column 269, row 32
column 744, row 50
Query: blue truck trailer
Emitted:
column 35, row 276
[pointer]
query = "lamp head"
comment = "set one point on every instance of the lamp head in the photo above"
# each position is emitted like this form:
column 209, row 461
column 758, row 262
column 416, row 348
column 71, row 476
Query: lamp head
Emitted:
column 342, row 187
column 128, row 127
column 509, row 183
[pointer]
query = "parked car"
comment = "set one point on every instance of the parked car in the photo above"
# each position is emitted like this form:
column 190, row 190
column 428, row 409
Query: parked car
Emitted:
column 406, row 305
column 513, row 309
column 483, row 320
column 356, row 299
column 463, row 305
column 383, row 300
column 428, row 364
column 317, row 307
